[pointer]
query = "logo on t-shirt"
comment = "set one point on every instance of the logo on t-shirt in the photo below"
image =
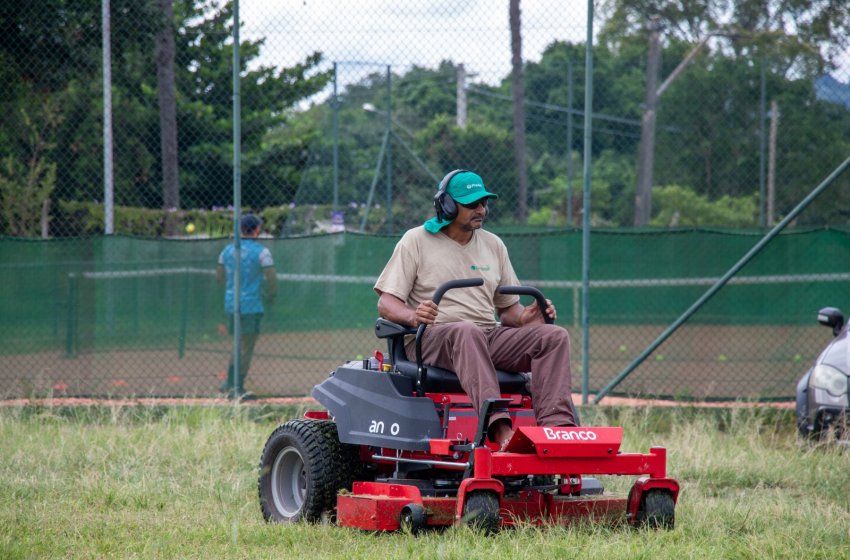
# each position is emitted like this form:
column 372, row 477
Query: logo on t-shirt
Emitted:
column 481, row 267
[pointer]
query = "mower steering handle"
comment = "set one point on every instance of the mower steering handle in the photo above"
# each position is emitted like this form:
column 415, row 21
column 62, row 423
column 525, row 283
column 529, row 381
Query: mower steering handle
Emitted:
column 528, row 291
column 438, row 295
column 451, row 284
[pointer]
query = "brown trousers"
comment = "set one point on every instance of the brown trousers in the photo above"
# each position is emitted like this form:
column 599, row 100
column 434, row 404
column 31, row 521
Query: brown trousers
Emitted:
column 475, row 353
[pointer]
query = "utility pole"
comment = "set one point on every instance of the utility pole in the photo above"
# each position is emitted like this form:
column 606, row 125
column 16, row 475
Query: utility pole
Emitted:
column 569, row 143
column 108, row 174
column 762, row 118
column 771, row 162
column 335, row 125
column 389, row 161
column 461, row 96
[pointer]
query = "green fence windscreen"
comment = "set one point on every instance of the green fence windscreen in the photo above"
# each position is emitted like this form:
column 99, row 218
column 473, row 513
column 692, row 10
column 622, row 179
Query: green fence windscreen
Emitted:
column 135, row 316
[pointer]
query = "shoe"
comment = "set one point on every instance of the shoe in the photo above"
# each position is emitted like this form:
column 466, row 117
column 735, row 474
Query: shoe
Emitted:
column 500, row 432
column 504, row 443
column 241, row 395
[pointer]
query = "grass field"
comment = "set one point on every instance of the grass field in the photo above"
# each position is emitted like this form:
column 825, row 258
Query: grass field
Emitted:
column 180, row 482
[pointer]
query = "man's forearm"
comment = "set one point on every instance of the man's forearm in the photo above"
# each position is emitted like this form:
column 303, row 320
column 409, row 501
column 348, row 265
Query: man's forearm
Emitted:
column 395, row 310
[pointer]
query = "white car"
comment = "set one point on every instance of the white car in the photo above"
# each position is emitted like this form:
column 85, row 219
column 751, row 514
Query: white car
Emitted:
column 823, row 410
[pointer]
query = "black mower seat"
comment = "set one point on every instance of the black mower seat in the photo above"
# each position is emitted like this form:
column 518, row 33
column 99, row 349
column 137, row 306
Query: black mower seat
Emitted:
column 438, row 380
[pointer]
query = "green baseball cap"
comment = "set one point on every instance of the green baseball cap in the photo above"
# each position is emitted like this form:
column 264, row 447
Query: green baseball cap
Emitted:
column 464, row 188
column 468, row 187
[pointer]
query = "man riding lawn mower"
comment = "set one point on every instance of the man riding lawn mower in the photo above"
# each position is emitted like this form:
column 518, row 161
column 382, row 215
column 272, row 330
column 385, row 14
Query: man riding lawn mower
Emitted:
column 401, row 446
column 446, row 431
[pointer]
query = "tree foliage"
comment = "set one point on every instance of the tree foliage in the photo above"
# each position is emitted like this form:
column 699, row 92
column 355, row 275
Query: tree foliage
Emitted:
column 51, row 51
column 681, row 206
column 806, row 35
column 26, row 184
column 710, row 140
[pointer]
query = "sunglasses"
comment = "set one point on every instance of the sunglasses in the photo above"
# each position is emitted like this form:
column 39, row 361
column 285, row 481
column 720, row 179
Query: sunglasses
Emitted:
column 474, row 205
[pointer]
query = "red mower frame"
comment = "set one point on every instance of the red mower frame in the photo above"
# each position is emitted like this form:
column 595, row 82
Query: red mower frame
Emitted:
column 401, row 447
column 532, row 451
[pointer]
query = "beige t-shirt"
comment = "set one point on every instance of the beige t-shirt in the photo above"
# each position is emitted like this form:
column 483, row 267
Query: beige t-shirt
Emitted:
column 422, row 261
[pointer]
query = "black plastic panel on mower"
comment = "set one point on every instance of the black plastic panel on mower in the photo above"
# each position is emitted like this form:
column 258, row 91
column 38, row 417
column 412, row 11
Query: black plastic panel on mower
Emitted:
column 370, row 410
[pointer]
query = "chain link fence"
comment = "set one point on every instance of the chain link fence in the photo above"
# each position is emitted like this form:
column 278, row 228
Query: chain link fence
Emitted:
column 116, row 187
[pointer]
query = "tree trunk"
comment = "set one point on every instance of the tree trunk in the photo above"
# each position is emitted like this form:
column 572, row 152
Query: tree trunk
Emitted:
column 518, row 89
column 165, row 52
column 646, row 155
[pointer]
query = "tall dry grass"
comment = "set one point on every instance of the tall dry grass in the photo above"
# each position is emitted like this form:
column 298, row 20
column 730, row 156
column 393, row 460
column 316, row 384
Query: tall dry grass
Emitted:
column 180, row 482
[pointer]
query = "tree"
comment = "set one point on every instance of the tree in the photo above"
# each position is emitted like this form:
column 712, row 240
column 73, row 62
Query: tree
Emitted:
column 50, row 59
column 204, row 81
column 680, row 206
column 422, row 93
column 717, row 129
column 449, row 146
column 63, row 41
column 46, row 44
column 616, row 91
column 26, row 183
column 809, row 34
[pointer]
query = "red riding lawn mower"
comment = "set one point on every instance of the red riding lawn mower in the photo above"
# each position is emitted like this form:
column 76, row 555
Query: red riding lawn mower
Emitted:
column 401, row 447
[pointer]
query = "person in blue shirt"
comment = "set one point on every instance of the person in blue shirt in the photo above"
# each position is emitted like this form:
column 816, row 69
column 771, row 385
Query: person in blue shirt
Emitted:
column 258, row 287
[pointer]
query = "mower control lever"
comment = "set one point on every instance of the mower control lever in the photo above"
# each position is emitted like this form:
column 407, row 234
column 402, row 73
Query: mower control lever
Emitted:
column 528, row 291
column 421, row 372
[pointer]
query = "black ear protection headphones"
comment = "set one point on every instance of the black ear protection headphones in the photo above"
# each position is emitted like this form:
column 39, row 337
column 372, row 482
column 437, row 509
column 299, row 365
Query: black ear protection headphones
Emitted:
column 444, row 204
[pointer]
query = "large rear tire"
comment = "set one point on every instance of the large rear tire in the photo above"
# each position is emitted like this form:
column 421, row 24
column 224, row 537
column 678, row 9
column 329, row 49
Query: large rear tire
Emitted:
column 302, row 468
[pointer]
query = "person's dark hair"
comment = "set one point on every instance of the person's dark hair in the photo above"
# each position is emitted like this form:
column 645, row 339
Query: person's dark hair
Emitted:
column 250, row 223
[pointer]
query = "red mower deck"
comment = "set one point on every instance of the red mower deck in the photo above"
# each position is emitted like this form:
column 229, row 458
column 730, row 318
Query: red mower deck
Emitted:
column 375, row 506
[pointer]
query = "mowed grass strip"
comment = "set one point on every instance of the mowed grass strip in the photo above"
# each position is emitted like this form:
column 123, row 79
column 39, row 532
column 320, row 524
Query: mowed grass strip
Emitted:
column 180, row 482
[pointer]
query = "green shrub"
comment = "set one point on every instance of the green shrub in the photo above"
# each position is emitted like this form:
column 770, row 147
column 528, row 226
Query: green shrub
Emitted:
column 87, row 218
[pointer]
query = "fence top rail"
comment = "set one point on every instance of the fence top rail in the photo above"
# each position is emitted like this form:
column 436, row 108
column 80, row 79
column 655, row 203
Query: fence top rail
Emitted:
column 568, row 284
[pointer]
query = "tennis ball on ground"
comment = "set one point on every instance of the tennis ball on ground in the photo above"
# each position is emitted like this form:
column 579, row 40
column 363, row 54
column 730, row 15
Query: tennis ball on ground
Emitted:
column 623, row 348
column 722, row 358
column 190, row 227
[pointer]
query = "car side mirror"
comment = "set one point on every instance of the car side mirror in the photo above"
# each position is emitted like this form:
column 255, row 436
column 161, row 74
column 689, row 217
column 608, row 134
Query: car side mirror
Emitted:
column 831, row 317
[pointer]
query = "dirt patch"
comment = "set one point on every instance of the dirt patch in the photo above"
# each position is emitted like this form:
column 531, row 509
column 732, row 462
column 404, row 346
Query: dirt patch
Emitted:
column 699, row 363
